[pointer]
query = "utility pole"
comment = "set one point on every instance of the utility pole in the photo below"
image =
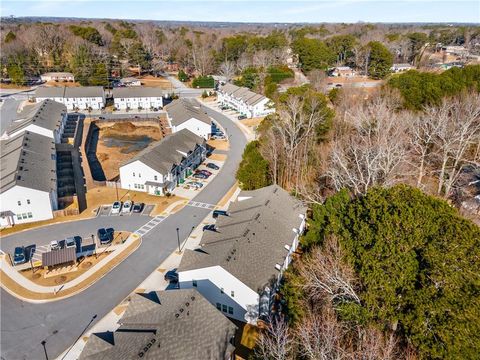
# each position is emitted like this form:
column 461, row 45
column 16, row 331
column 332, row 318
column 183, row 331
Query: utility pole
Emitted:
column 44, row 348
column 178, row 240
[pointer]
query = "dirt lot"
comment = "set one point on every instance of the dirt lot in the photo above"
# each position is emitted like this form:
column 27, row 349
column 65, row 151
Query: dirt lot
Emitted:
column 219, row 144
column 119, row 142
column 152, row 81
column 61, row 84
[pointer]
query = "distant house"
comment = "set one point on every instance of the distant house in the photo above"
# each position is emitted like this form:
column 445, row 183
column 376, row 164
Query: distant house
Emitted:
column 398, row 68
column 343, row 71
column 457, row 50
column 173, row 325
column 238, row 267
column 130, row 81
column 74, row 98
column 189, row 114
column 57, row 76
column 245, row 101
column 137, row 98
column 164, row 164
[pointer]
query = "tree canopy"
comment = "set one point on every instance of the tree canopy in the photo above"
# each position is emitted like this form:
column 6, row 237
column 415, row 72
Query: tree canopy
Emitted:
column 417, row 263
column 380, row 60
column 253, row 172
column 88, row 33
column 313, row 54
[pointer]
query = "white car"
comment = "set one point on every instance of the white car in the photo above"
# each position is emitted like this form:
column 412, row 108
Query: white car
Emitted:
column 116, row 207
column 127, row 206
column 54, row 245
column 70, row 242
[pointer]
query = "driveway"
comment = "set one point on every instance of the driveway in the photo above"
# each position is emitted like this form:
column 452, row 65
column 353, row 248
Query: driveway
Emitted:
column 24, row 325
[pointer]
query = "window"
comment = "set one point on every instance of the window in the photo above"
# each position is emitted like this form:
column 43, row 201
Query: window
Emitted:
column 135, row 186
column 19, row 216
column 155, row 178
column 139, row 175
column 219, row 306
column 232, row 293
column 194, row 283
column 133, row 174
column 19, row 203
column 24, row 215
column 28, row 201
column 29, row 215
column 221, row 291
column 224, row 308
column 230, row 310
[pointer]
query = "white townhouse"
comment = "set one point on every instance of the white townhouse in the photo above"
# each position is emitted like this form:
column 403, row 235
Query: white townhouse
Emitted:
column 238, row 267
column 28, row 187
column 137, row 98
column 160, row 167
column 343, row 71
column 74, row 98
column 57, row 76
column 130, row 81
column 46, row 118
column 189, row 114
column 398, row 68
column 245, row 101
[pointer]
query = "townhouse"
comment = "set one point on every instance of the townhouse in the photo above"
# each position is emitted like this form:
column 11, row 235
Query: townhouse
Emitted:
column 57, row 76
column 174, row 325
column 74, row 98
column 163, row 165
column 398, row 68
column 245, row 101
column 239, row 266
column 189, row 114
column 137, row 98
column 343, row 71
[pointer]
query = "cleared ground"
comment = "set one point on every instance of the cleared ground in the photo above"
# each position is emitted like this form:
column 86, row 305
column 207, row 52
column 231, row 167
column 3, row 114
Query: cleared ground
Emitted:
column 218, row 144
column 152, row 81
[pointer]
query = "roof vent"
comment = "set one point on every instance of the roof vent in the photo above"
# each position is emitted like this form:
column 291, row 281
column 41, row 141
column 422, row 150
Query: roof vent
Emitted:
column 245, row 233
column 275, row 190
column 267, row 202
column 257, row 216
column 177, row 315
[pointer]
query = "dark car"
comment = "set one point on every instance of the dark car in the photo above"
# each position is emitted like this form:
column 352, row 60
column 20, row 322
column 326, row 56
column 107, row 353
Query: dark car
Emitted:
column 210, row 227
column 200, row 176
column 213, row 166
column 110, row 233
column 216, row 213
column 171, row 276
column 103, row 236
column 138, row 207
column 206, row 172
column 241, row 117
column 19, row 255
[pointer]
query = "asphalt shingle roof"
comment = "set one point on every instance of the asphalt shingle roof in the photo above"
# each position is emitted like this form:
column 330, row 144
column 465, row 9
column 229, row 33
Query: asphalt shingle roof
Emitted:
column 173, row 324
column 70, row 92
column 137, row 92
column 242, row 93
column 182, row 110
column 164, row 154
column 251, row 241
column 28, row 160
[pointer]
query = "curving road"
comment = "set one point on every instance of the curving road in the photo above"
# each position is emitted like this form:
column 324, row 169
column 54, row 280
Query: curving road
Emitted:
column 25, row 325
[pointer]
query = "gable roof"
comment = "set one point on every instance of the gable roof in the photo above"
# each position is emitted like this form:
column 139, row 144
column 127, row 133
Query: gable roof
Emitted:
column 162, row 155
column 69, row 92
column 184, row 109
column 251, row 241
column 137, row 91
column 47, row 114
column 242, row 93
column 28, row 160
column 49, row 92
column 178, row 324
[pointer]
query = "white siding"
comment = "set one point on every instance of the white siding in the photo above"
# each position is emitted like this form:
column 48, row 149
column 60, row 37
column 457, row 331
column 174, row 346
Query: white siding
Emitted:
column 133, row 176
column 134, row 103
column 196, row 126
column 211, row 280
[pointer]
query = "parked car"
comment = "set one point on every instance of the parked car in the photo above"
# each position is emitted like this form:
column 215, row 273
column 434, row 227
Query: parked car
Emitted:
column 138, row 207
column 217, row 137
column 200, row 176
column 213, row 166
column 241, row 117
column 70, row 242
column 210, row 227
column 127, row 206
column 206, row 172
column 103, row 237
column 54, row 245
column 111, row 233
column 223, row 107
column 116, row 207
column 216, row 213
column 195, row 184
column 171, row 276
column 19, row 255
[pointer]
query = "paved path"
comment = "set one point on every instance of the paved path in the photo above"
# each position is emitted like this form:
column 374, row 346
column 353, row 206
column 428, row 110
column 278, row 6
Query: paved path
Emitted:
column 25, row 325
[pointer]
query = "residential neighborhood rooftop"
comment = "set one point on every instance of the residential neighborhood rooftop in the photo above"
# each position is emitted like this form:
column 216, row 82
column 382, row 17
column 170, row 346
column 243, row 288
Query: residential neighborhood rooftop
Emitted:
column 164, row 154
column 251, row 241
column 175, row 324
column 242, row 93
column 69, row 92
column 184, row 109
column 137, row 92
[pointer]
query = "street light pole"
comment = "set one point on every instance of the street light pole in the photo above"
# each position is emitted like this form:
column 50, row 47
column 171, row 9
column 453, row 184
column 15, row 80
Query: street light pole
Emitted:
column 178, row 240
column 44, row 348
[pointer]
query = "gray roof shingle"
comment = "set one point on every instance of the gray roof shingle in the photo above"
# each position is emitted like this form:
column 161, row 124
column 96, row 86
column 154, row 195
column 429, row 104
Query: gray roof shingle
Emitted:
column 137, row 91
column 173, row 324
column 182, row 110
column 69, row 92
column 251, row 241
column 242, row 93
column 164, row 154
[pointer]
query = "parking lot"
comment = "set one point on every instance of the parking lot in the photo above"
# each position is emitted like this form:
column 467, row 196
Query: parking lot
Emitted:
column 106, row 210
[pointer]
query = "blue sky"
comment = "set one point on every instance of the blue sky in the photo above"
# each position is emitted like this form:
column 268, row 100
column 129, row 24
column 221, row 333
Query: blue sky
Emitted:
column 254, row 11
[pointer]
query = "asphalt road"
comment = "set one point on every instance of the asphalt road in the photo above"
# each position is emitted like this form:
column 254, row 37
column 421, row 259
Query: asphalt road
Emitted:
column 25, row 325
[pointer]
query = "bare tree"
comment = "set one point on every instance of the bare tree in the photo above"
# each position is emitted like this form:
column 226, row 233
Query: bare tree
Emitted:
column 275, row 342
column 227, row 69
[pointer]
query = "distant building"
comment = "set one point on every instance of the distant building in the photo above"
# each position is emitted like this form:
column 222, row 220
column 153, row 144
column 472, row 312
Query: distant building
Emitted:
column 130, row 81
column 74, row 98
column 57, row 76
column 238, row 268
column 245, row 101
column 398, row 68
column 457, row 50
column 161, row 166
column 137, row 98
column 343, row 71
column 189, row 114
column 173, row 325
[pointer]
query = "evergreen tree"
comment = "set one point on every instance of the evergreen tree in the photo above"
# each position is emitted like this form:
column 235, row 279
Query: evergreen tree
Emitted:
column 253, row 169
